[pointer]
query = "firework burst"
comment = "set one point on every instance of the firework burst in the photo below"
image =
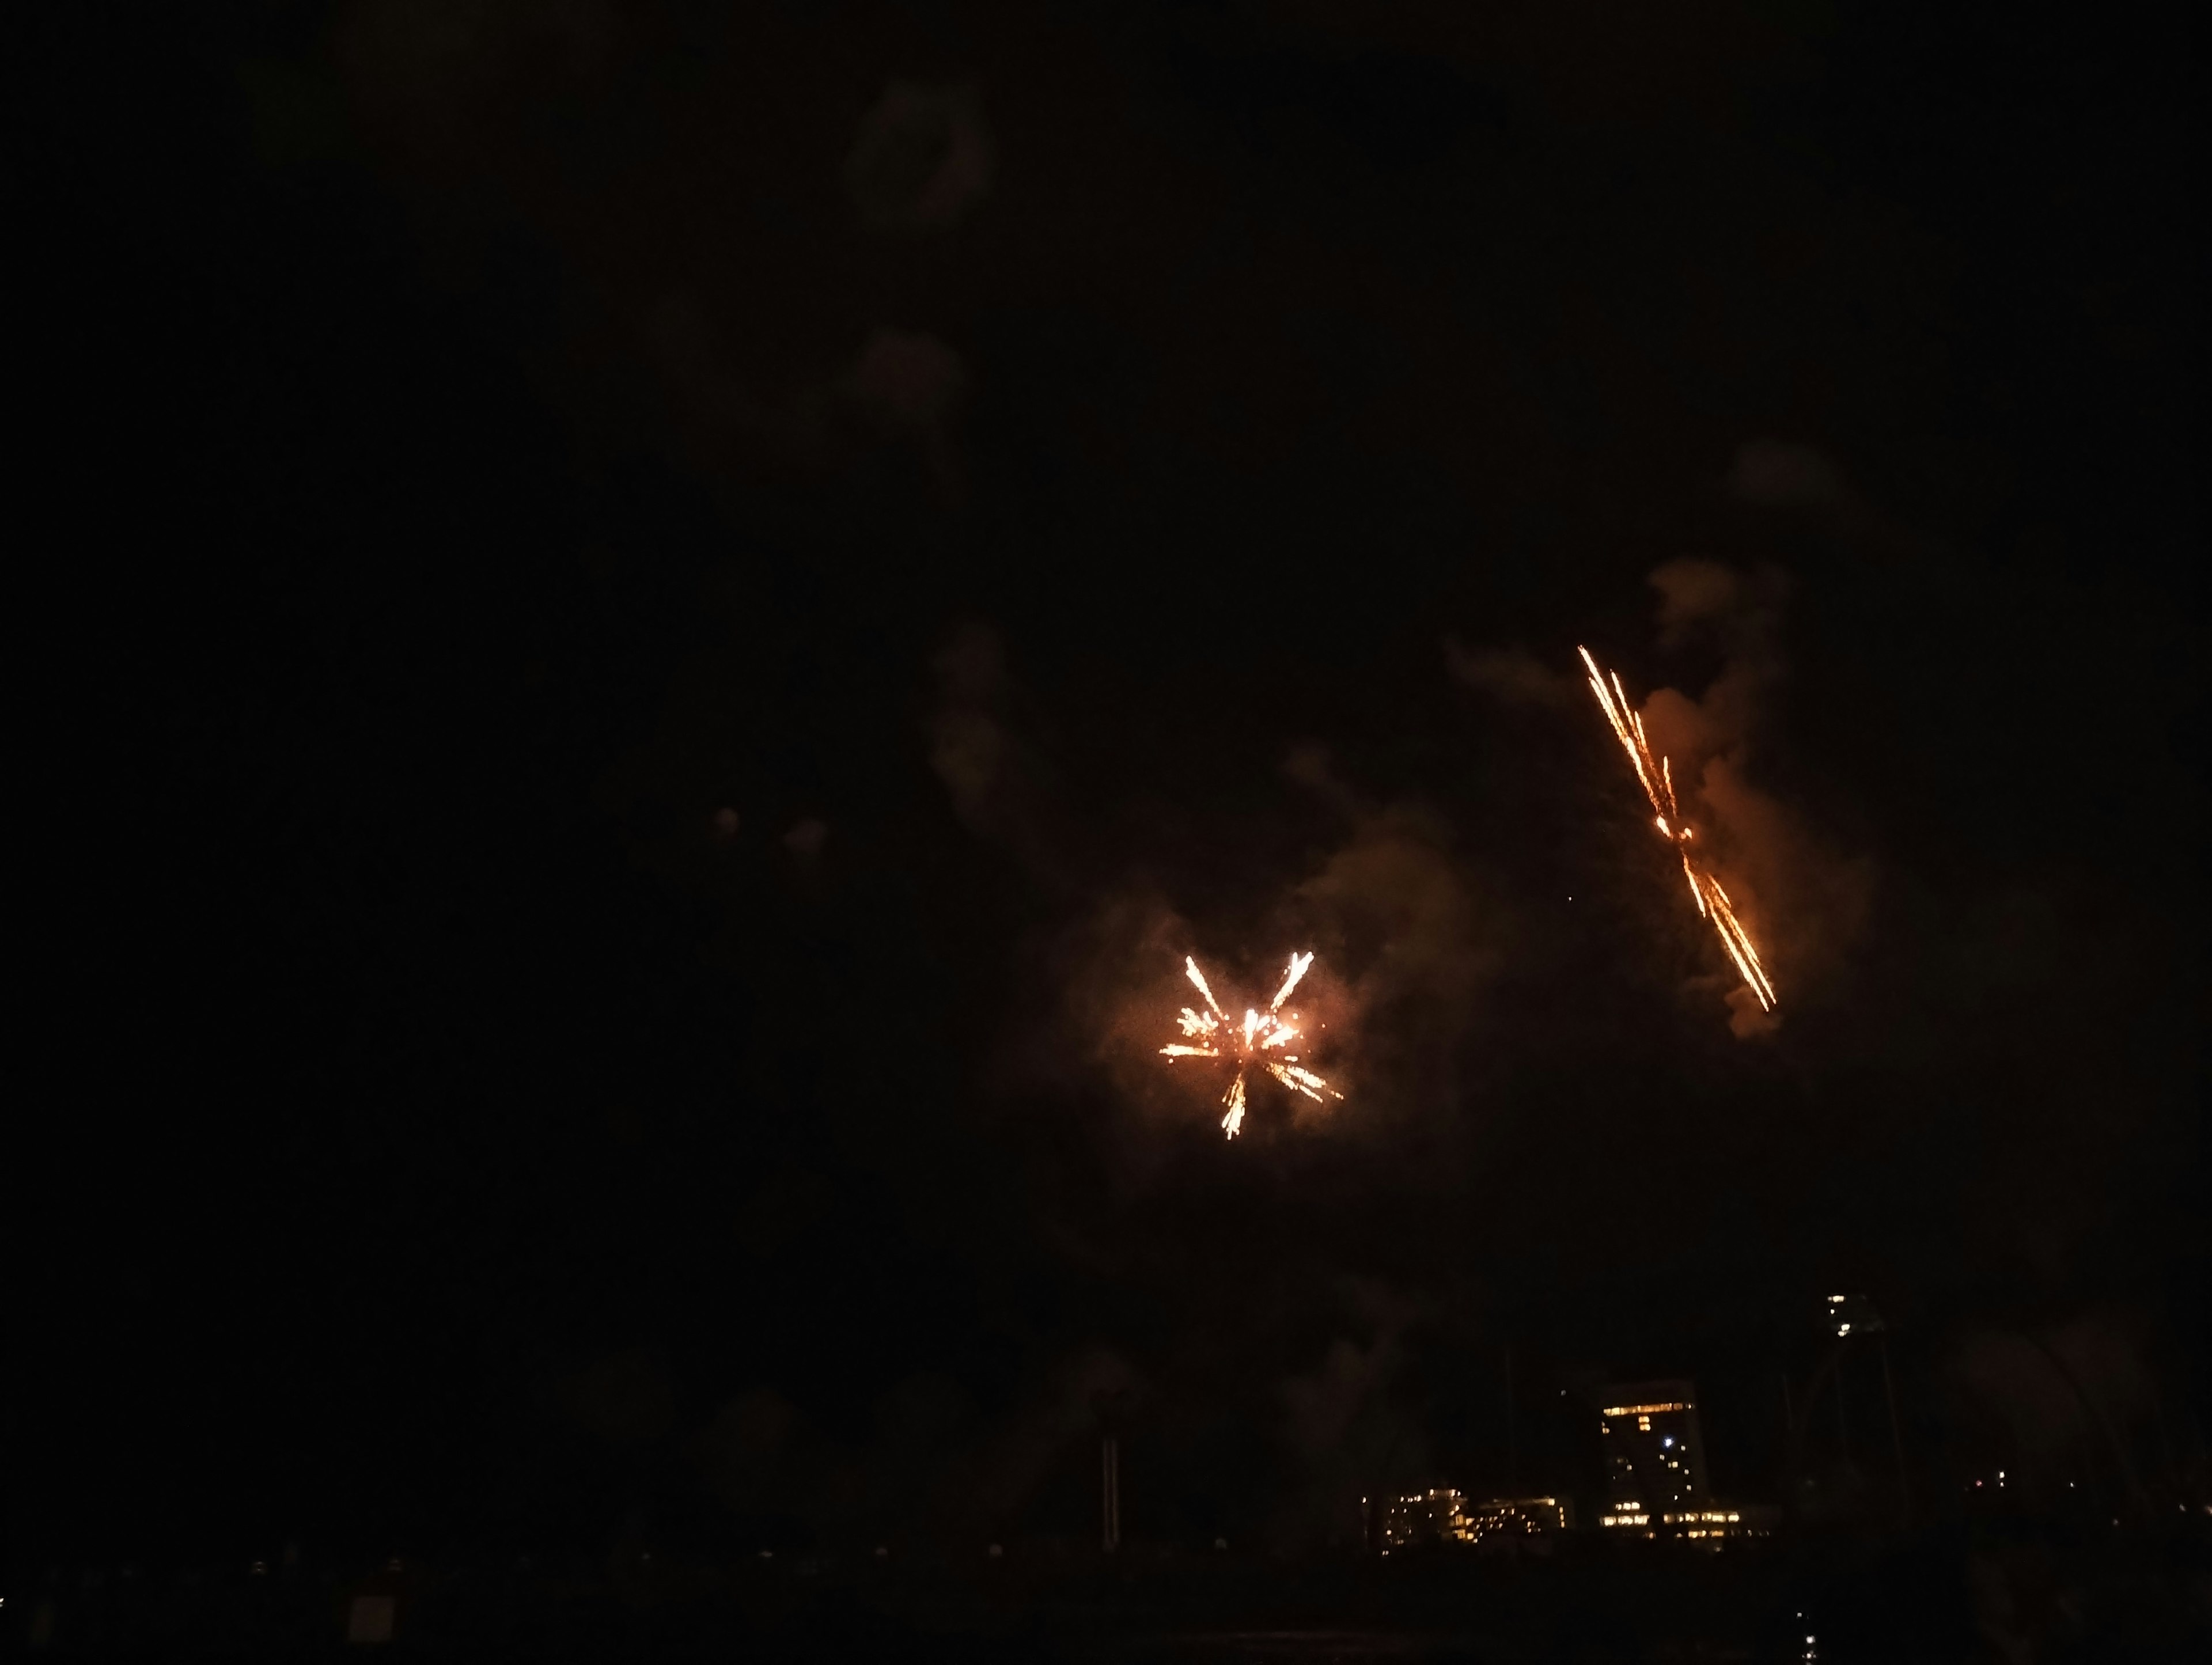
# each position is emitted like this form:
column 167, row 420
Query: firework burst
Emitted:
column 1258, row 1042
column 1657, row 780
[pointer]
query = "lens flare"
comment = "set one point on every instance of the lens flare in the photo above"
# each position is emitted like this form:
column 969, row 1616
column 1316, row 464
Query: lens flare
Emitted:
column 1212, row 1034
column 1657, row 780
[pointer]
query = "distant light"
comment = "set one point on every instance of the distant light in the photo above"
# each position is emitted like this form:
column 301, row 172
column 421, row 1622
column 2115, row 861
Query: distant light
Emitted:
column 1669, row 1440
column 767, row 1555
column 1833, row 1300
column 1843, row 1329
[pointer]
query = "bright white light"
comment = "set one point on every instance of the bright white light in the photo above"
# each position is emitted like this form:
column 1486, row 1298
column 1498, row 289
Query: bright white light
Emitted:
column 1669, row 1440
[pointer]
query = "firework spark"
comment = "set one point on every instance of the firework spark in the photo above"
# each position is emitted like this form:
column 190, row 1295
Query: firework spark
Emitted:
column 1248, row 1044
column 1658, row 783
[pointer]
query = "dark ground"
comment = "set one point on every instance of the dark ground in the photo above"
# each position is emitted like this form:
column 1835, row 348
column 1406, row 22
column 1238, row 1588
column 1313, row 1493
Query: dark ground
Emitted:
column 1906, row 1599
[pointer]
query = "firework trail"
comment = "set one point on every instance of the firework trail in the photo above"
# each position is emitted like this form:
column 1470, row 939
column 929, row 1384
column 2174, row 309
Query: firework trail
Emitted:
column 1210, row 1034
column 1658, row 783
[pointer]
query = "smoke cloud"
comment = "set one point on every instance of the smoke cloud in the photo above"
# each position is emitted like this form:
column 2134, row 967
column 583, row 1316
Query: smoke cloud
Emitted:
column 933, row 1466
column 922, row 155
column 1395, row 910
column 1513, row 676
column 994, row 780
column 1396, row 925
column 2059, row 1407
column 1803, row 901
column 746, row 315
column 1349, row 1437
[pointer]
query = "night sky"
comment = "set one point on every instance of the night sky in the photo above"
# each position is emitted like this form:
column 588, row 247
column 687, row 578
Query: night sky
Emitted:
column 668, row 618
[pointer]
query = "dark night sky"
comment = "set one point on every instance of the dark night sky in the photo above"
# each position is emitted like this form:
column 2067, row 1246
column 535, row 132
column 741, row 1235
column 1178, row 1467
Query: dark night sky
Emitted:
column 1080, row 484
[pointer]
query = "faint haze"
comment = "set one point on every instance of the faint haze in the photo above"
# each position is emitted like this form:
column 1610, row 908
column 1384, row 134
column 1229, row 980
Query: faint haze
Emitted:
column 683, row 613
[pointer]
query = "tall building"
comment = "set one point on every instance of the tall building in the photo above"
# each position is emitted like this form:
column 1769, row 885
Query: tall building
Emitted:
column 1654, row 1454
column 1655, row 1464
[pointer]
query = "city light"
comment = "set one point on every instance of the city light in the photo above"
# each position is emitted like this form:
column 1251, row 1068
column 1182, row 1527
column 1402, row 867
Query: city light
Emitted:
column 1442, row 1514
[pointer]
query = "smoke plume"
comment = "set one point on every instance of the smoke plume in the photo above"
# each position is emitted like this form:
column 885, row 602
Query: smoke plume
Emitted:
column 1803, row 901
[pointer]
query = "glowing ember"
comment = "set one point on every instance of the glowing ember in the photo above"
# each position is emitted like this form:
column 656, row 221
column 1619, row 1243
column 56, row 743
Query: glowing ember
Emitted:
column 1658, row 783
column 1210, row 1034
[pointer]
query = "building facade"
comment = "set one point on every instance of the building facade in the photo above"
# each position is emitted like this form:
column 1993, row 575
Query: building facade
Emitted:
column 1443, row 1516
column 1519, row 1518
column 1437, row 1515
column 1655, row 1454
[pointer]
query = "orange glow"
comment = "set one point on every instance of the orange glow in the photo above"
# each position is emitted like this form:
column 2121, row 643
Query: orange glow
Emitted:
column 1217, row 1037
column 1656, row 777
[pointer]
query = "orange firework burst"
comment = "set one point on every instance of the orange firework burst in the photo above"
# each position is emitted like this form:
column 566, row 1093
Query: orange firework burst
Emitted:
column 1258, row 1041
column 1658, row 783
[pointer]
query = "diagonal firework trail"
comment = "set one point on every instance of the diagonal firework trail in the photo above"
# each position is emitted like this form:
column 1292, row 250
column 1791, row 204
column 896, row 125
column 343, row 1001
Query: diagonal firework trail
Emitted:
column 1657, row 780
